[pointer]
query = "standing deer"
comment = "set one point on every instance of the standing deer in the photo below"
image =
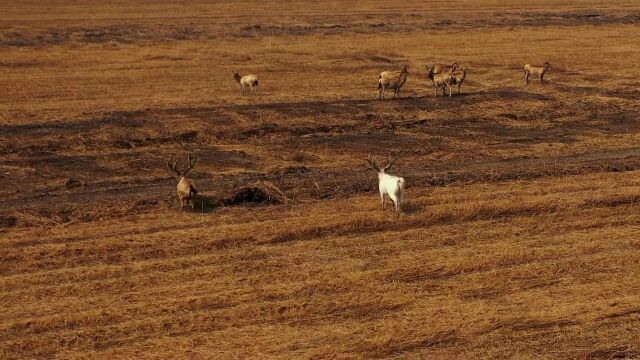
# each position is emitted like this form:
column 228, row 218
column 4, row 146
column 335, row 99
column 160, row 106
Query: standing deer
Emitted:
column 391, row 80
column 186, row 188
column 247, row 82
column 458, row 78
column 389, row 185
column 441, row 81
column 536, row 70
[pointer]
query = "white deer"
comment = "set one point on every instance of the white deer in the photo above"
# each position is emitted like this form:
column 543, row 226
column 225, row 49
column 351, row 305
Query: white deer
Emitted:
column 389, row 185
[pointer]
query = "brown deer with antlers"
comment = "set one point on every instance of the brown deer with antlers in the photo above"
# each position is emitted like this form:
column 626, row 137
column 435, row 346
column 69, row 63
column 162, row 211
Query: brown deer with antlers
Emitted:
column 186, row 188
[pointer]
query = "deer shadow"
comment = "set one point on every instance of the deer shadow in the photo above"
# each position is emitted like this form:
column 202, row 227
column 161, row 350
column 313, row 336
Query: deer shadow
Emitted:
column 411, row 207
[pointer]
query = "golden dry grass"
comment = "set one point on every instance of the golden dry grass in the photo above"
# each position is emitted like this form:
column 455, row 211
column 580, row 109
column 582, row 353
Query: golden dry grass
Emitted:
column 521, row 232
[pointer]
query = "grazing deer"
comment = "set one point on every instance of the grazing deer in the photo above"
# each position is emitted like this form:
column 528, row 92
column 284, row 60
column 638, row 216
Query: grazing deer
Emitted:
column 247, row 82
column 536, row 70
column 186, row 188
column 389, row 185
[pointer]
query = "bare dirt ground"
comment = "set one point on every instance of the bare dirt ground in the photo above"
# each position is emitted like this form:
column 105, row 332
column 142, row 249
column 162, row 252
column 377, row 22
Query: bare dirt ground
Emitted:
column 521, row 232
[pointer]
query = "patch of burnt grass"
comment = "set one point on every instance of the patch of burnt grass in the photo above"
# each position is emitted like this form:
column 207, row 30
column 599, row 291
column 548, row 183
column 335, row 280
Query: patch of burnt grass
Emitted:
column 8, row 221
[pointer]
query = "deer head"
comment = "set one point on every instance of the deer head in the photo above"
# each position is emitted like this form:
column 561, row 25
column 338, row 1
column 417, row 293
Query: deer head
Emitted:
column 430, row 71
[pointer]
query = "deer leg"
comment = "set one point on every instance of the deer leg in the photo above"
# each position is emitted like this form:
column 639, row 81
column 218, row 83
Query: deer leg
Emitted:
column 394, row 199
column 383, row 200
column 526, row 78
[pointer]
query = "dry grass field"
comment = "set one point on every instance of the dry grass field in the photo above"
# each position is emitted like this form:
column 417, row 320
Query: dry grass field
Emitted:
column 520, row 236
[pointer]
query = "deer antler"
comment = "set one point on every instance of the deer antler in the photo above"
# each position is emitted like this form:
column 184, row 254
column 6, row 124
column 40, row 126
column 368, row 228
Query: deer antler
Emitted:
column 173, row 167
column 392, row 161
column 190, row 163
column 372, row 163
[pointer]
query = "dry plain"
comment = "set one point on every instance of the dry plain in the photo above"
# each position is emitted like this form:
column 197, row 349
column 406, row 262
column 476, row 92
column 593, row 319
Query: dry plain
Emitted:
column 521, row 231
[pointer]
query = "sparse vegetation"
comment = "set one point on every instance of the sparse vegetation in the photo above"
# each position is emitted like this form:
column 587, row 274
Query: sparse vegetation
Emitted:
column 520, row 236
